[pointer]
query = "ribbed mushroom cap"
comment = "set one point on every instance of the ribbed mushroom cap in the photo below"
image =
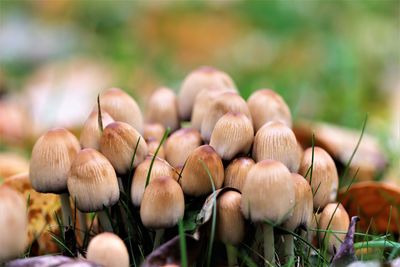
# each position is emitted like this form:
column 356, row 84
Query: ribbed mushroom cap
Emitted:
column 340, row 221
column 122, row 107
column 303, row 209
column 108, row 250
column 196, row 81
column 266, row 105
column 276, row 141
column 325, row 178
column 51, row 159
column 222, row 104
column 92, row 182
column 180, row 144
column 195, row 180
column 152, row 145
column 236, row 172
column 163, row 203
column 268, row 192
column 13, row 222
column 153, row 131
column 159, row 168
column 230, row 221
column 232, row 134
column 91, row 133
column 118, row 144
column 163, row 108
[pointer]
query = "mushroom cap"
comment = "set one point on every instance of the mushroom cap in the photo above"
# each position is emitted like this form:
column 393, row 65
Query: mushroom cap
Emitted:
column 92, row 182
column 180, row 144
column 91, row 133
column 268, row 192
column 303, row 209
column 152, row 145
column 276, row 141
column 122, row 107
column 222, row 104
column 159, row 168
column 195, row 180
column 118, row 144
column 196, row 81
column 325, row 178
column 51, row 159
column 266, row 105
column 153, row 131
column 232, row 134
column 230, row 221
column 14, row 224
column 163, row 203
column 340, row 221
column 108, row 250
column 236, row 172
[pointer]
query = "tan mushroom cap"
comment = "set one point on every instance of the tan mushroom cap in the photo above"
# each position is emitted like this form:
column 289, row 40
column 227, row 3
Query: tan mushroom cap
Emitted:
column 268, row 192
column 14, row 225
column 195, row 180
column 276, row 141
column 236, row 172
column 232, row 134
column 325, row 178
column 91, row 133
column 51, row 159
column 92, row 182
column 108, row 250
column 152, row 145
column 163, row 203
column 118, row 144
column 153, row 131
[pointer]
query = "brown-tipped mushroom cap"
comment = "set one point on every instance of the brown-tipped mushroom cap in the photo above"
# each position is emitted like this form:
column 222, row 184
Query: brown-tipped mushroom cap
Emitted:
column 163, row 203
column 339, row 221
column 236, row 172
column 266, row 105
column 324, row 176
column 268, row 192
column 232, row 134
column 195, row 180
column 180, row 144
column 153, row 131
column 51, row 159
column 91, row 133
column 122, row 107
column 276, row 141
column 163, row 108
column 118, row 144
column 92, row 182
column 152, row 145
column 230, row 221
column 303, row 209
column 159, row 168
column 196, row 81
column 108, row 250
column 222, row 104
column 14, row 225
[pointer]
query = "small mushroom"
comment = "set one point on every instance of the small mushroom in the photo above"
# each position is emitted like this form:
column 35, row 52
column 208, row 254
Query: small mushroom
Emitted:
column 152, row 145
column 236, row 172
column 91, row 133
column 153, row 131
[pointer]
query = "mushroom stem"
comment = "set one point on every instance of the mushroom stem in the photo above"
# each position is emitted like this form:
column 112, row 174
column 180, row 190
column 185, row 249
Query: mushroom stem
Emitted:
column 105, row 221
column 157, row 238
column 269, row 247
column 82, row 224
column 231, row 254
column 288, row 247
column 121, row 185
column 66, row 209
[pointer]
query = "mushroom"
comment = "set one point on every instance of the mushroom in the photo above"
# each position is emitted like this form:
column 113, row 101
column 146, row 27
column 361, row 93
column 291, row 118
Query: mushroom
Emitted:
column 152, row 145
column 51, row 159
column 163, row 108
column 180, row 144
column 324, row 180
column 13, row 222
column 93, row 184
column 266, row 105
column 236, row 172
column 153, row 131
column 108, row 250
column 202, row 163
column 122, row 107
column 268, row 197
column 118, row 144
column 232, row 134
column 276, row 141
column 91, row 133
column 163, row 205
column 196, row 81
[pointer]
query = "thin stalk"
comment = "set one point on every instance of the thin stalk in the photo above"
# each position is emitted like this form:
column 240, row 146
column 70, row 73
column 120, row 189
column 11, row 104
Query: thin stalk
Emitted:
column 82, row 225
column 66, row 209
column 231, row 254
column 269, row 247
column 104, row 221
column 288, row 247
column 158, row 238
